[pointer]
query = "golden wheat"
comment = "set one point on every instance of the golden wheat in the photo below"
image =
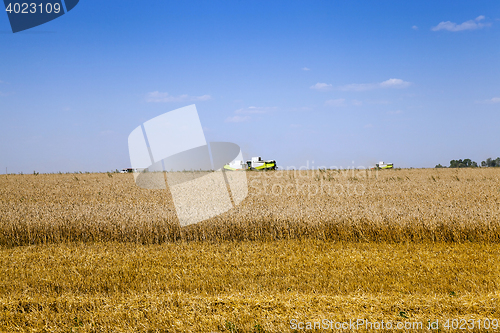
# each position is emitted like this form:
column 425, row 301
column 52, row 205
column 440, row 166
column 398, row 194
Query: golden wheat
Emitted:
column 424, row 205
column 242, row 286
column 78, row 252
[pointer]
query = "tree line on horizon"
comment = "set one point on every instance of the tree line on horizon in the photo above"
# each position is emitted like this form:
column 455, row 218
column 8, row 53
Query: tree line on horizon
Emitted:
column 468, row 163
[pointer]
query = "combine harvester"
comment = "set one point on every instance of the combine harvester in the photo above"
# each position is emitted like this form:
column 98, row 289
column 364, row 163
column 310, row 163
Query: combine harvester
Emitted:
column 383, row 165
column 256, row 163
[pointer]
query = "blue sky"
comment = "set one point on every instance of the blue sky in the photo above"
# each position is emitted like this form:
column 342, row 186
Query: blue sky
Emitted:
column 415, row 83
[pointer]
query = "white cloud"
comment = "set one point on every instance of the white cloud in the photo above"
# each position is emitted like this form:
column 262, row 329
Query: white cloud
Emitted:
column 414, row 27
column 467, row 25
column 493, row 100
column 202, row 98
column 394, row 83
column 161, row 97
column 356, row 102
column 391, row 83
column 254, row 110
column 237, row 119
column 336, row 102
column 242, row 114
column 368, row 126
column 306, row 69
column 322, row 86
column 394, row 112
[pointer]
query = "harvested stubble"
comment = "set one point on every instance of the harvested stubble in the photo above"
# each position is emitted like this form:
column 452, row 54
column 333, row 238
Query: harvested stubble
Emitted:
column 242, row 286
column 419, row 205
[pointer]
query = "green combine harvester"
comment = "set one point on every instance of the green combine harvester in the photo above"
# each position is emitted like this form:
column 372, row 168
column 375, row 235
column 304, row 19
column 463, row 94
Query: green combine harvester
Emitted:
column 256, row 163
column 383, row 165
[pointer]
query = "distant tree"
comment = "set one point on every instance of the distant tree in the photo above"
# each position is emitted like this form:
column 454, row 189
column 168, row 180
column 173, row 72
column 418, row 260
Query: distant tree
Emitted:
column 491, row 162
column 467, row 163
column 456, row 164
column 439, row 166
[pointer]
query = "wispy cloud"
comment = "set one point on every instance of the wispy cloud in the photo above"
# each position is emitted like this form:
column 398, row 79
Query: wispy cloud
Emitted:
column 237, row 119
column 493, row 100
column 356, row 102
column 336, row 102
column 394, row 83
column 322, row 86
column 254, row 110
column 368, row 126
column 106, row 132
column 414, row 27
column 243, row 114
column 394, row 112
column 162, row 97
column 306, row 69
column 467, row 25
column 391, row 83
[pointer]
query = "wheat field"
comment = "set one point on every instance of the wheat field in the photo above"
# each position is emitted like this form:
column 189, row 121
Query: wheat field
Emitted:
column 419, row 205
column 95, row 253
